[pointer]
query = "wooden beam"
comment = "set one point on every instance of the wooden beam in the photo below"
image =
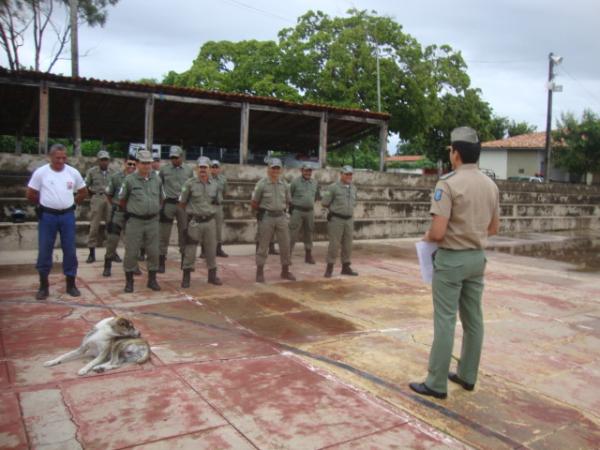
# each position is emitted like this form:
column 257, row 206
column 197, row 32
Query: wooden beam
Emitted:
column 149, row 124
column 244, row 129
column 383, row 137
column 323, row 140
column 43, row 120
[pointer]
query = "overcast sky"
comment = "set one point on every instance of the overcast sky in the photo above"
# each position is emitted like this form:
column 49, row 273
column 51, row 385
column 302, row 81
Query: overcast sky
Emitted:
column 504, row 42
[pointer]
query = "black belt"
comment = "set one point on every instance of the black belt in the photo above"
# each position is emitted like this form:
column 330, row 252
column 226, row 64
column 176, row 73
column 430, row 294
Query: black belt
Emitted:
column 202, row 219
column 146, row 217
column 302, row 208
column 214, row 202
column 341, row 216
column 56, row 212
column 275, row 213
column 95, row 193
column 172, row 200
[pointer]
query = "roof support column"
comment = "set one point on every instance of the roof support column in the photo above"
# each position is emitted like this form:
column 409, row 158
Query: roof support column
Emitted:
column 43, row 120
column 149, row 124
column 383, row 138
column 323, row 140
column 244, row 129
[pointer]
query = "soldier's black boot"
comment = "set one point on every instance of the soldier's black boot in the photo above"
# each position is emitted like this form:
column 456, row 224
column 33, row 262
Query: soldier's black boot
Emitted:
column 260, row 274
column 117, row 258
column 328, row 271
column 272, row 250
column 161, row 263
column 286, row 274
column 43, row 292
column 347, row 270
column 92, row 256
column 71, row 288
column 213, row 278
column 220, row 251
column 128, row 282
column 107, row 267
column 308, row 259
column 152, row 283
column 185, row 281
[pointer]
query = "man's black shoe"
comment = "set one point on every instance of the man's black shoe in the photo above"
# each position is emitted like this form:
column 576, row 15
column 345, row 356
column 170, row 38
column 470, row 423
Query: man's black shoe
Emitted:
column 421, row 388
column 455, row 379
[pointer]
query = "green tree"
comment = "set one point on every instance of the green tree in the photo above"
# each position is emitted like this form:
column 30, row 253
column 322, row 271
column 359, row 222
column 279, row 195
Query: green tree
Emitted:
column 518, row 128
column 576, row 146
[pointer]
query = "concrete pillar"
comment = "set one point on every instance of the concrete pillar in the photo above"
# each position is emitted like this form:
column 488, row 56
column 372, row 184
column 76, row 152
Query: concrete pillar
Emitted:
column 43, row 120
column 244, row 129
column 383, row 137
column 149, row 124
column 323, row 140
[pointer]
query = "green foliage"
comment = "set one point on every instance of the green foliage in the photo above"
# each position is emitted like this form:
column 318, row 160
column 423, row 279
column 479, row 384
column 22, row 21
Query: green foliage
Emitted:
column 361, row 155
column 576, row 144
column 518, row 128
column 425, row 163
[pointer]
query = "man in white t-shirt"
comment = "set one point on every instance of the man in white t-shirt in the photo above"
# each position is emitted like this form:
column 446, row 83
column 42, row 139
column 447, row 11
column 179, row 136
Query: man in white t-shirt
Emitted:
column 55, row 188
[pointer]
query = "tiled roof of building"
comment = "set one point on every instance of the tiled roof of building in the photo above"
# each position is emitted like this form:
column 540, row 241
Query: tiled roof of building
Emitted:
column 524, row 141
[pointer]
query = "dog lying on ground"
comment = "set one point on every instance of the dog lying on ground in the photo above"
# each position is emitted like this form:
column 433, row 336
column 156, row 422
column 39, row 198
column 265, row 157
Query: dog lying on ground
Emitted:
column 112, row 342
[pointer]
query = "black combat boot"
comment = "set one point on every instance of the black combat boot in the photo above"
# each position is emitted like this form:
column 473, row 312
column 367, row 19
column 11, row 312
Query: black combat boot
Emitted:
column 43, row 292
column 328, row 271
column 152, row 283
column 92, row 256
column 213, row 278
column 107, row 267
column 308, row 259
column 161, row 263
column 185, row 281
column 286, row 274
column 260, row 274
column 71, row 288
column 128, row 281
column 347, row 270
column 117, row 258
column 272, row 250
column 220, row 251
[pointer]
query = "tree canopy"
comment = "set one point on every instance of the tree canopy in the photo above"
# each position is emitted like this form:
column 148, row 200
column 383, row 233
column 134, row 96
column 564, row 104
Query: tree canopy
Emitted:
column 576, row 145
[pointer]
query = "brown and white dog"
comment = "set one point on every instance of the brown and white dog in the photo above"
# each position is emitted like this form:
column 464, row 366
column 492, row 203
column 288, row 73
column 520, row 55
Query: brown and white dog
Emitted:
column 112, row 342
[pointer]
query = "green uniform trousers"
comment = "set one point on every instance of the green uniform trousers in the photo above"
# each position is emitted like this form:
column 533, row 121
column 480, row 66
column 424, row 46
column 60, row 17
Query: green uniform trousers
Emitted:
column 220, row 221
column 140, row 233
column 200, row 233
column 302, row 221
column 169, row 212
column 457, row 286
column 99, row 212
column 268, row 227
column 114, row 230
column 340, row 233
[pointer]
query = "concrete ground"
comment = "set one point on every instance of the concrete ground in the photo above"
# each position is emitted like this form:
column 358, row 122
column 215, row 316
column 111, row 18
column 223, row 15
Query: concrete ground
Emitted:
column 310, row 364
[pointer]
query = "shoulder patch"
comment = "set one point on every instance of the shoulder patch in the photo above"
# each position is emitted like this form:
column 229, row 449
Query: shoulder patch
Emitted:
column 447, row 175
column 437, row 196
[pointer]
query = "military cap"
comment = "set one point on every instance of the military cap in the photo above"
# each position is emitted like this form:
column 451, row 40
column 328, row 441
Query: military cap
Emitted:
column 175, row 151
column 347, row 169
column 215, row 162
column 306, row 165
column 275, row 162
column 144, row 156
column 203, row 161
column 464, row 134
column 103, row 154
column 156, row 156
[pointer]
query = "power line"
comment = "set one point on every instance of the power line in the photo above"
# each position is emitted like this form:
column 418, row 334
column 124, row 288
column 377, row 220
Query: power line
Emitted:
column 262, row 11
column 587, row 91
column 508, row 61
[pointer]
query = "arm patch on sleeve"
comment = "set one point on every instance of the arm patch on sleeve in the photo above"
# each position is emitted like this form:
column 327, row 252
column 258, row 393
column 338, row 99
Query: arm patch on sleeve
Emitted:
column 437, row 196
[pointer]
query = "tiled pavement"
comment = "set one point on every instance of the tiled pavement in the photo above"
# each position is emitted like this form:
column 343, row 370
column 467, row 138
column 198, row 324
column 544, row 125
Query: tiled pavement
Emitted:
column 304, row 365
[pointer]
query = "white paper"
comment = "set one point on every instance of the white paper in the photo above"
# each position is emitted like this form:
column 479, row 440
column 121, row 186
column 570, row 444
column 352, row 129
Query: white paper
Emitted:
column 425, row 253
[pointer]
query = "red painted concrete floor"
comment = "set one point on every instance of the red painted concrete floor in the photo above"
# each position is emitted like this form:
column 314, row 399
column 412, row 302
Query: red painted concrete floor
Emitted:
column 310, row 364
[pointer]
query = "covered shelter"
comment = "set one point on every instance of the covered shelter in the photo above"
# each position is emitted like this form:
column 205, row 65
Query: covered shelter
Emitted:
column 41, row 104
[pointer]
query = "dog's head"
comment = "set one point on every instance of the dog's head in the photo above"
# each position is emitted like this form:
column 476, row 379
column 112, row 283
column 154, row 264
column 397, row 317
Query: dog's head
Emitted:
column 123, row 327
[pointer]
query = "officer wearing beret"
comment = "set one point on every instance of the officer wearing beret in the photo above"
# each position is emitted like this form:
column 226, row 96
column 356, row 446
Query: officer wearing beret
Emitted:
column 270, row 199
column 304, row 191
column 340, row 199
column 221, row 180
column 172, row 175
column 141, row 196
column 198, row 199
column 465, row 210
column 96, row 181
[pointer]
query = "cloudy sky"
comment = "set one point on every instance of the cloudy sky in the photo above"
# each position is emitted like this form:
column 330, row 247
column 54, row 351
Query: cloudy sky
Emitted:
column 504, row 42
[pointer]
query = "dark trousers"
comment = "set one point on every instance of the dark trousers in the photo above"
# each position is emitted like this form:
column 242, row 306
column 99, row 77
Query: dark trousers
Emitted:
column 49, row 225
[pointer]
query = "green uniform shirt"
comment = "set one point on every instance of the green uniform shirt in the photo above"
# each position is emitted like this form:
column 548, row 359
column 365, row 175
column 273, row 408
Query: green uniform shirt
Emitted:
column 304, row 192
column 221, row 181
column 272, row 196
column 96, row 179
column 143, row 195
column 199, row 196
column 340, row 198
column 114, row 184
column 173, row 178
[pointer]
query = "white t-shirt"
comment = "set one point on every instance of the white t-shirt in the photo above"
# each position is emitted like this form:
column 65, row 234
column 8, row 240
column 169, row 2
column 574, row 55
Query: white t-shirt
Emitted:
column 56, row 189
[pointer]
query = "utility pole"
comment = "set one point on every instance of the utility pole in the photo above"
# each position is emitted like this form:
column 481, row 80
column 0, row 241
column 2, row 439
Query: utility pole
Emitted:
column 73, row 5
column 552, row 60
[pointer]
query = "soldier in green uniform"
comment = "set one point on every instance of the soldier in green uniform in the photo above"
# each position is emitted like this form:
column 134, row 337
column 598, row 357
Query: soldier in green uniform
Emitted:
column 141, row 196
column 270, row 199
column 173, row 175
column 215, row 172
column 96, row 181
column 465, row 210
column 340, row 199
column 116, row 224
column 304, row 191
column 198, row 199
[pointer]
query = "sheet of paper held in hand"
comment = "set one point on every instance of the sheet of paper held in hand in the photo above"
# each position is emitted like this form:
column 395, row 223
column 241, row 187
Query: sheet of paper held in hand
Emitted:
column 424, row 252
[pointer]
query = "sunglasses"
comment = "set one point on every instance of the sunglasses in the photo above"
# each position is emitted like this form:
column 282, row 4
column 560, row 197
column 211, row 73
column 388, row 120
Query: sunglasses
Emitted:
column 145, row 162
column 214, row 167
column 131, row 164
